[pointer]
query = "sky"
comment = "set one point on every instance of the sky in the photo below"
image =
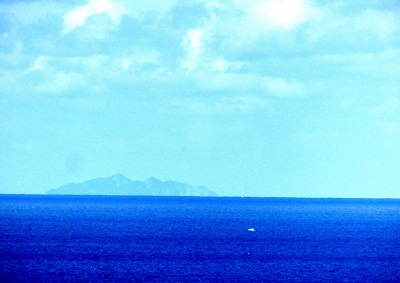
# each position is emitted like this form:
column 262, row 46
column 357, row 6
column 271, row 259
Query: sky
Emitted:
column 263, row 98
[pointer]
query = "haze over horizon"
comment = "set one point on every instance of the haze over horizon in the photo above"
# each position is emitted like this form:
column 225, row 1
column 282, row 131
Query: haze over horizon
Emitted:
column 266, row 98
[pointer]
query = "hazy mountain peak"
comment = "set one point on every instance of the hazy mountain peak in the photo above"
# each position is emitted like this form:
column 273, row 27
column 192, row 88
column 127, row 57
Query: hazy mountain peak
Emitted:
column 153, row 180
column 118, row 177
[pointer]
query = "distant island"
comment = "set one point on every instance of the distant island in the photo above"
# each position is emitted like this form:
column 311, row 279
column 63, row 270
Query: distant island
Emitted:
column 120, row 185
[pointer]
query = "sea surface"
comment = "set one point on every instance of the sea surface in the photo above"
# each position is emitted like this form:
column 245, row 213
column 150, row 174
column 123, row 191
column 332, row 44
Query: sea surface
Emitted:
column 47, row 238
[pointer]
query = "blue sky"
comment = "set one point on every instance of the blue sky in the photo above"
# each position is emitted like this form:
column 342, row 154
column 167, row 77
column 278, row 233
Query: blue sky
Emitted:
column 291, row 98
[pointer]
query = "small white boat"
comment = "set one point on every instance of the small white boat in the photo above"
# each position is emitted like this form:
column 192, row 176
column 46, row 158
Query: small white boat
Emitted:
column 251, row 229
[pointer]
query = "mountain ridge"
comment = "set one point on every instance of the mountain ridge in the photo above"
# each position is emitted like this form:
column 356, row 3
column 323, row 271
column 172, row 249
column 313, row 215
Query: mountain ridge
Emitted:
column 118, row 184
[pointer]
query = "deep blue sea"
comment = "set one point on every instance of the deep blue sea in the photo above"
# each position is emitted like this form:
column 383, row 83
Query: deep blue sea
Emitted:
column 185, row 239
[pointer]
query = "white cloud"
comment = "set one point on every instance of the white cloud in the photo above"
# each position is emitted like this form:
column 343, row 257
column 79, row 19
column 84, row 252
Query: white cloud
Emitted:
column 254, row 26
column 263, row 15
column 196, row 38
column 78, row 16
column 280, row 14
column 39, row 64
column 193, row 45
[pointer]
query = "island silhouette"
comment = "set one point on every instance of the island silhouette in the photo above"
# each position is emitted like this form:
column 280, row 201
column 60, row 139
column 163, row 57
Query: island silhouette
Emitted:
column 118, row 184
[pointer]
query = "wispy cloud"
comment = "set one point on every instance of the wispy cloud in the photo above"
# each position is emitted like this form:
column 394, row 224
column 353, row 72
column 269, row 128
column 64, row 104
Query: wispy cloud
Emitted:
column 390, row 128
column 221, row 105
column 389, row 105
column 282, row 87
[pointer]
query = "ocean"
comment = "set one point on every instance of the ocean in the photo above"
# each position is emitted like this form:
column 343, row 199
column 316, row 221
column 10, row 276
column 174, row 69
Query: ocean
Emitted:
column 47, row 238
